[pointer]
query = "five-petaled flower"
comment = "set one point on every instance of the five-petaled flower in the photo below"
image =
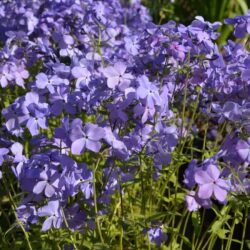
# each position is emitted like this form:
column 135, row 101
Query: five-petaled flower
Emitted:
column 210, row 184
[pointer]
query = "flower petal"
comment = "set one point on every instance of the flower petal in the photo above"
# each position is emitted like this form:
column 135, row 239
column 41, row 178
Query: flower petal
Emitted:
column 213, row 172
column 205, row 191
column 94, row 146
column 49, row 190
column 220, row 193
column 202, row 177
column 78, row 146
column 39, row 187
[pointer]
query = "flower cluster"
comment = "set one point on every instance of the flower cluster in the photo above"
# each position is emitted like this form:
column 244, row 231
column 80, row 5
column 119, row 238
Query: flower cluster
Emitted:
column 101, row 86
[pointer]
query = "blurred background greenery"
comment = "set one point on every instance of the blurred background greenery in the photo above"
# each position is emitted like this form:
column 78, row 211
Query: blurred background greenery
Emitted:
column 184, row 11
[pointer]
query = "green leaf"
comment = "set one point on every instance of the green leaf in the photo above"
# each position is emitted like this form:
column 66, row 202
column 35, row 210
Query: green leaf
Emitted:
column 243, row 5
column 222, row 233
column 186, row 241
column 248, row 243
column 217, row 227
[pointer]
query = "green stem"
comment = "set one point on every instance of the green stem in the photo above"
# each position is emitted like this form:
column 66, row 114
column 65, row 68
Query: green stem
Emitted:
column 184, row 228
column 229, row 242
column 99, row 232
column 191, row 122
column 122, row 211
column 244, row 230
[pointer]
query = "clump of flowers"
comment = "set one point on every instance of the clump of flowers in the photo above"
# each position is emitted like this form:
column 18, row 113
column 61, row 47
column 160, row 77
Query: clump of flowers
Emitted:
column 103, row 98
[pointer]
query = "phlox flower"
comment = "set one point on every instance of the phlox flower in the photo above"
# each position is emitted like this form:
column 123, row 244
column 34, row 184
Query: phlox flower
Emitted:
column 210, row 184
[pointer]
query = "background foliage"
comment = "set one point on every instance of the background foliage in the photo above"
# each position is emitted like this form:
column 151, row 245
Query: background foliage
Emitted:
column 184, row 11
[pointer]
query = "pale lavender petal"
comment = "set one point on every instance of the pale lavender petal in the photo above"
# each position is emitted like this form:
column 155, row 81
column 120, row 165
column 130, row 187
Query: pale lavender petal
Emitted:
column 68, row 39
column 57, row 222
column 205, row 191
column 94, row 132
column 32, row 126
column 42, row 123
column 11, row 124
column 78, row 146
column 77, row 72
column 94, row 146
column 120, row 67
column 47, row 224
column 49, row 190
column 145, row 115
column 110, row 72
column 142, row 92
column 150, row 101
column 3, row 82
column 113, row 82
column 213, row 172
column 41, row 80
column 243, row 149
column 4, row 151
column 222, row 183
column 220, row 193
column 31, row 97
column 16, row 148
column 124, row 84
column 54, row 206
column 191, row 202
column 201, row 177
column 24, row 74
column 39, row 187
column 45, row 211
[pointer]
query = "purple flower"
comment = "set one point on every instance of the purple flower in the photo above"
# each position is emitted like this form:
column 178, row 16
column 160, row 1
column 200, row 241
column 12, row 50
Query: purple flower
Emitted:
column 146, row 112
column 38, row 112
column 194, row 202
column 5, row 75
column 75, row 217
column 82, row 75
column 149, row 92
column 191, row 202
column 48, row 182
column 3, row 152
column 241, row 24
column 117, row 77
column 52, row 209
column 60, row 101
column 87, row 137
column 177, row 50
column 157, row 235
column 189, row 174
column 132, row 45
column 27, row 214
column 43, row 81
column 17, row 151
column 210, row 183
column 243, row 149
column 19, row 74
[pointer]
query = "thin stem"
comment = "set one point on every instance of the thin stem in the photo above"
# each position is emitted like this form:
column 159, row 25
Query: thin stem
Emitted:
column 184, row 228
column 244, row 230
column 229, row 242
column 191, row 122
column 122, row 213
column 95, row 203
